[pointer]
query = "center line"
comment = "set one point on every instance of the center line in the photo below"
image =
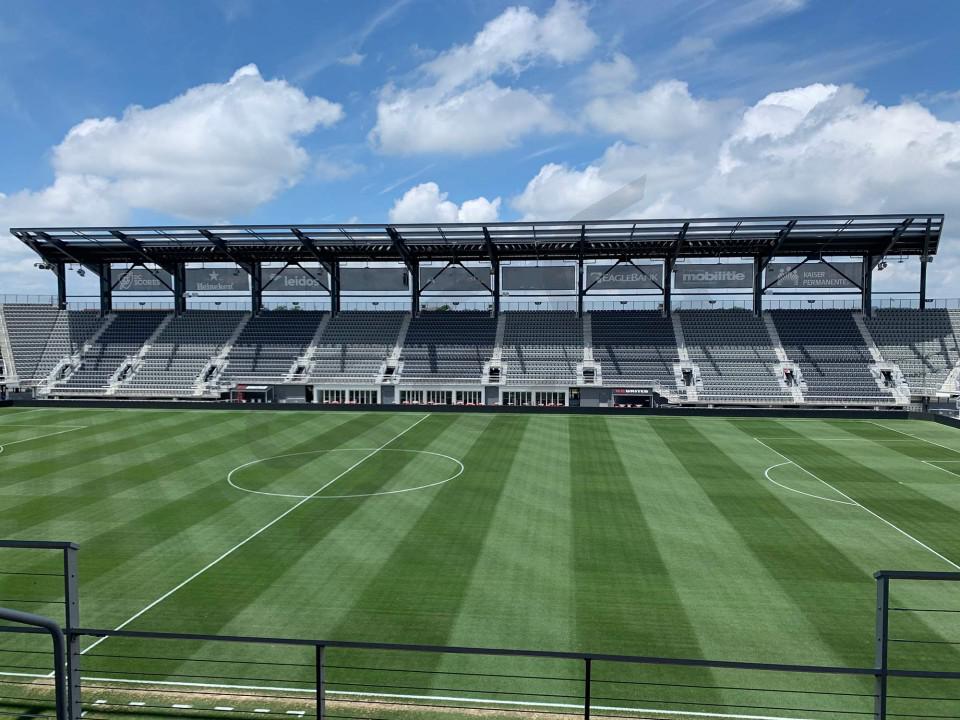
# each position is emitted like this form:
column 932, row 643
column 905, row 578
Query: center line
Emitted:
column 243, row 542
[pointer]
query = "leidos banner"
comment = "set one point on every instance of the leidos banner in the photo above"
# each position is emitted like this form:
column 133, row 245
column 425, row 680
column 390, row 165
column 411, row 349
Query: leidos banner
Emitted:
column 623, row 277
column 454, row 279
column 140, row 280
column 219, row 279
column 812, row 276
column 713, row 276
column 294, row 279
column 550, row 277
column 376, row 279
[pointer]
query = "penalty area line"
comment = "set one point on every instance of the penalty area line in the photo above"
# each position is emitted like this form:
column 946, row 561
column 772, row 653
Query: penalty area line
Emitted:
column 864, row 507
column 253, row 535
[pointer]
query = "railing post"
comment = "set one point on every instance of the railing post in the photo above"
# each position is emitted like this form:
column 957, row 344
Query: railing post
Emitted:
column 321, row 684
column 881, row 662
column 586, row 688
column 72, row 611
column 56, row 635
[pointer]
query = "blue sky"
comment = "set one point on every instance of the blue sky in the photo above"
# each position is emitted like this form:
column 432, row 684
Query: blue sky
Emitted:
column 247, row 111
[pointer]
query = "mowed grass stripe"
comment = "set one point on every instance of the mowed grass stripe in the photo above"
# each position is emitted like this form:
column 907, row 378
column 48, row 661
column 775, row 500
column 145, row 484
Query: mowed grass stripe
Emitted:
column 808, row 567
column 173, row 539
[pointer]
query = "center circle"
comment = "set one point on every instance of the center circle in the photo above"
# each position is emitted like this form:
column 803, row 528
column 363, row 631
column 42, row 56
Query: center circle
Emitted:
column 289, row 475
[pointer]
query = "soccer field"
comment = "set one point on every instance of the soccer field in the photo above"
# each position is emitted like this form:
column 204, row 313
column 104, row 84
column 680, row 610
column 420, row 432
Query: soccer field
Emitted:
column 750, row 539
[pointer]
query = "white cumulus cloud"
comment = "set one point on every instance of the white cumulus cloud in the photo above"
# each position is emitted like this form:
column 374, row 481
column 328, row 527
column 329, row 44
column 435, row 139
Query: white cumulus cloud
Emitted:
column 459, row 108
column 425, row 203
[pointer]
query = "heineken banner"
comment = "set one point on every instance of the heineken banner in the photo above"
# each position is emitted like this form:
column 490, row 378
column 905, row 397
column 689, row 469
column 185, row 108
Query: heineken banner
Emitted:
column 454, row 279
column 713, row 276
column 294, row 279
column 140, row 280
column 623, row 277
column 216, row 280
column 813, row 276
column 377, row 279
column 550, row 277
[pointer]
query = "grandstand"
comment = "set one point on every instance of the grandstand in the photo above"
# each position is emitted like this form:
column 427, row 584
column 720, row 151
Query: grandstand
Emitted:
column 591, row 355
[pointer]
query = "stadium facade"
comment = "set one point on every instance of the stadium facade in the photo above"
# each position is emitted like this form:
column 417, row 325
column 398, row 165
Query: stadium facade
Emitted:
column 435, row 316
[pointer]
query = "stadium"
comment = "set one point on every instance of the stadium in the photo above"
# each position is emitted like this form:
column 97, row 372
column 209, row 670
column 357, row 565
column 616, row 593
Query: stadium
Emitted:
column 678, row 468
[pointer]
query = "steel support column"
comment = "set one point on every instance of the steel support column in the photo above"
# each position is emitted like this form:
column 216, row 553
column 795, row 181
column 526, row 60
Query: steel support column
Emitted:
column 106, row 289
column 71, row 598
column 881, row 643
column 866, row 287
column 256, row 287
column 334, row 287
column 667, row 284
column 414, row 267
column 580, row 291
column 60, row 270
column 179, row 288
column 758, row 266
column 923, row 283
column 495, row 267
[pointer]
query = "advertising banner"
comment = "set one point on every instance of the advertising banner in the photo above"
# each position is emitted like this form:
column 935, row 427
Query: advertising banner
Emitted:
column 140, row 280
column 377, row 279
column 454, row 279
column 294, row 279
column 551, row 277
column 215, row 280
column 622, row 277
column 813, row 276
column 713, row 276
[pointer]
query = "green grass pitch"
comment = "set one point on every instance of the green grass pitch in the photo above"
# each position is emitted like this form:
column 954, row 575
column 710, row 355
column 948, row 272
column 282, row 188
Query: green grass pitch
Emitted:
column 723, row 538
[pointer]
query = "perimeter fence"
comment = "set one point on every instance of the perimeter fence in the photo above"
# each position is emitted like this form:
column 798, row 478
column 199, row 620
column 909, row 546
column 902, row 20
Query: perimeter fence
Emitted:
column 137, row 673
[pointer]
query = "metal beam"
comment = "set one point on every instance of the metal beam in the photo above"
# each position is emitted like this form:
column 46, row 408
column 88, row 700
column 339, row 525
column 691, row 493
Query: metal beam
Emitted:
column 95, row 268
column 138, row 248
column 494, row 268
column 401, row 247
column 894, row 238
column 218, row 243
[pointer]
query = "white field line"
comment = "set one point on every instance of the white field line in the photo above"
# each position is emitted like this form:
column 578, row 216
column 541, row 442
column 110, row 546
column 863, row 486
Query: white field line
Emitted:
column 766, row 474
column 933, row 463
column 864, row 507
column 250, row 537
column 915, row 437
column 833, row 439
column 40, row 437
column 442, row 698
column 20, row 412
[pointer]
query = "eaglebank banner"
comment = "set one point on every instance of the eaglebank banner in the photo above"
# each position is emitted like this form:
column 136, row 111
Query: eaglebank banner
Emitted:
column 215, row 280
column 549, row 277
column 713, row 276
column 140, row 280
column 623, row 277
column 454, row 279
column 294, row 279
column 813, row 275
column 376, row 279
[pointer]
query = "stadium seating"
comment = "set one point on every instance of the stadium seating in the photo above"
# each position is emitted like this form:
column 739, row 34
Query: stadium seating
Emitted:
column 542, row 347
column 733, row 350
column 122, row 339
column 269, row 345
column 925, row 346
column 41, row 336
column 448, row 347
column 635, row 348
column 354, row 346
column 832, row 355
column 173, row 363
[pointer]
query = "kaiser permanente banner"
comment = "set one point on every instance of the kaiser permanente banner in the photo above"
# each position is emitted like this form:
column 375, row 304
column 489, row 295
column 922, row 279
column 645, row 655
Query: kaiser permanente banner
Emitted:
column 622, row 277
column 454, row 279
column 548, row 277
column 812, row 275
column 713, row 276
column 140, row 280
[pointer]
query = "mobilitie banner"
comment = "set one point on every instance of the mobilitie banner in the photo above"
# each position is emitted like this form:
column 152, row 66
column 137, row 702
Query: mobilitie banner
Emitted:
column 713, row 276
column 623, row 277
column 220, row 279
column 454, row 279
column 549, row 277
column 812, row 276
column 140, row 280
column 376, row 279
column 294, row 279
